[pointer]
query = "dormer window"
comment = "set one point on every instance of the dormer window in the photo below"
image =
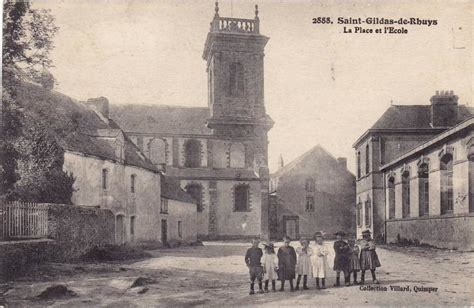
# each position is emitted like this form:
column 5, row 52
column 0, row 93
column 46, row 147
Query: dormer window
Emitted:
column 236, row 81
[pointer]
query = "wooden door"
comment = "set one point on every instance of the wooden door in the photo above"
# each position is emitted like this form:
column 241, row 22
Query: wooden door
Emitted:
column 164, row 231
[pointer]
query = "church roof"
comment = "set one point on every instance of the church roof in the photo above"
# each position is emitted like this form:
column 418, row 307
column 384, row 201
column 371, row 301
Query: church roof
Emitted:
column 163, row 119
column 170, row 189
column 77, row 127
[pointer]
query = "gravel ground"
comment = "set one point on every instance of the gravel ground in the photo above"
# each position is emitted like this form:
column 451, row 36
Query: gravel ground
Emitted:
column 215, row 274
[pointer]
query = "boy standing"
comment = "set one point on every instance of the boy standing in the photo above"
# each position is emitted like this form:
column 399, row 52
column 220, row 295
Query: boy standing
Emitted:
column 252, row 259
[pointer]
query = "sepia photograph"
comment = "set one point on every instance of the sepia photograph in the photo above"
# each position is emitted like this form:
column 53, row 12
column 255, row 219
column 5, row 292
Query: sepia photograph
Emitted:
column 170, row 153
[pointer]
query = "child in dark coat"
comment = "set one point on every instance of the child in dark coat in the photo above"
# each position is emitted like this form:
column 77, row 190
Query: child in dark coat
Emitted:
column 286, row 264
column 368, row 257
column 341, row 259
column 252, row 259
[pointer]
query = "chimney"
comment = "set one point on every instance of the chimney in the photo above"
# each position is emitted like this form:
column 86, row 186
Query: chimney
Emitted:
column 444, row 109
column 101, row 104
column 342, row 162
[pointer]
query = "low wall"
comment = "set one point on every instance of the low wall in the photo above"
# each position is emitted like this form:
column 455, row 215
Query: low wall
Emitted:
column 72, row 231
column 77, row 229
column 452, row 232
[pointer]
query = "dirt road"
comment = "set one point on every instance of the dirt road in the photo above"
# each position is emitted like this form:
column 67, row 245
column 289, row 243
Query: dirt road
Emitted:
column 215, row 274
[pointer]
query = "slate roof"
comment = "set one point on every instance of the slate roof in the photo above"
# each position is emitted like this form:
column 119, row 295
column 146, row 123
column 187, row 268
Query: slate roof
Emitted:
column 414, row 117
column 170, row 189
column 161, row 119
column 288, row 167
column 75, row 124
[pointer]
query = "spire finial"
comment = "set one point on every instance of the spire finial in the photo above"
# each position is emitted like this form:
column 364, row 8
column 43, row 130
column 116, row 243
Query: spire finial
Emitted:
column 217, row 8
column 256, row 11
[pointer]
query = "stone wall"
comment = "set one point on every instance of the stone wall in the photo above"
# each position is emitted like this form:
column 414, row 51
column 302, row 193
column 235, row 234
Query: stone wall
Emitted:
column 72, row 231
column 453, row 232
column 76, row 230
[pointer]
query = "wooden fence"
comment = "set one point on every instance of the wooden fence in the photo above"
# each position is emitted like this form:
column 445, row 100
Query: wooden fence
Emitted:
column 20, row 220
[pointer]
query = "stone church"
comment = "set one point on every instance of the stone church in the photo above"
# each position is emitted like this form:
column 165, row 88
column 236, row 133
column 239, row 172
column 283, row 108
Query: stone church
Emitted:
column 218, row 153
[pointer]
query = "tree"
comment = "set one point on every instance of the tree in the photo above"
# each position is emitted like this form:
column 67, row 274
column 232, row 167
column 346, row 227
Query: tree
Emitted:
column 27, row 37
column 30, row 155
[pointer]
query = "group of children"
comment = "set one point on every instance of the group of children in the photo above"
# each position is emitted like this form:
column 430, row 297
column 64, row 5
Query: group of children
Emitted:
column 307, row 261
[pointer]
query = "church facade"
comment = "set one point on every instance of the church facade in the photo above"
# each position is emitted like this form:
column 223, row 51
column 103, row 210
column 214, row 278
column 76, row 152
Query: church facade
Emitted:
column 218, row 154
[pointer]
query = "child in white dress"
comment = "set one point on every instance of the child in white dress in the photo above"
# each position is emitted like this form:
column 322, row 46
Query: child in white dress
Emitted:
column 319, row 261
column 270, row 266
column 303, row 266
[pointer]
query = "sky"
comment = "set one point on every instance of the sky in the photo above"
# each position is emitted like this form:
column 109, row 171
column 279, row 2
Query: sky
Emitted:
column 322, row 86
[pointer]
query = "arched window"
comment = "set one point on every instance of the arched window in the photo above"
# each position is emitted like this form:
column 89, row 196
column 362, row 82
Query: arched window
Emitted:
column 237, row 155
column 358, row 165
column 406, row 194
column 310, row 185
column 359, row 214
column 157, row 151
column 368, row 212
column 241, row 198
column 367, row 159
column 132, row 183
column 391, row 197
column 423, row 190
column 236, row 81
column 195, row 191
column 105, row 179
column 446, row 167
column 192, row 153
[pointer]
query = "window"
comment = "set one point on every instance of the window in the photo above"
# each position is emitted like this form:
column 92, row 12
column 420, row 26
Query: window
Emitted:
column 164, row 206
column 195, row 191
column 358, row 214
column 236, row 82
column 358, row 165
column 132, row 183
column 310, row 185
column 192, row 153
column 423, row 190
column 368, row 214
column 391, row 197
column 367, row 159
column 180, row 229
column 241, row 198
column 132, row 225
column 446, row 167
column 406, row 194
column 309, row 204
column 104, row 178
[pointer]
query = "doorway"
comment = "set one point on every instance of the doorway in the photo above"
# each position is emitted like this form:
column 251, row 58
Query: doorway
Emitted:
column 291, row 226
column 164, row 231
column 119, row 229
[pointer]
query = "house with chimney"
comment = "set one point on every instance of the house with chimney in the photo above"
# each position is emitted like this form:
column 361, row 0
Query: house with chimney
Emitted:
column 314, row 192
column 110, row 171
column 414, row 176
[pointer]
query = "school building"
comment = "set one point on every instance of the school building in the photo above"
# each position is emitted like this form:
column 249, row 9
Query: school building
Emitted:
column 414, row 174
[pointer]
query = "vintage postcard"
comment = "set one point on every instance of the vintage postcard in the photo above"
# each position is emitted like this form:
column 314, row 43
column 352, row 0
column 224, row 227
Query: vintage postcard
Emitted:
column 237, row 153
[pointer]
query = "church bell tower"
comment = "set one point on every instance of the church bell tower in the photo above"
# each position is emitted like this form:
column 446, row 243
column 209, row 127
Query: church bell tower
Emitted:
column 234, row 52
